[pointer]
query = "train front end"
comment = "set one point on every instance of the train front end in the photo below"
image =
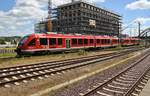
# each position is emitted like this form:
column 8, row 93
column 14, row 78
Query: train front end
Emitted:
column 23, row 45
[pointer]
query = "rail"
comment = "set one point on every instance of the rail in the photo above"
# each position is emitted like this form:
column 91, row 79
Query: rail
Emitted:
column 27, row 72
column 99, row 89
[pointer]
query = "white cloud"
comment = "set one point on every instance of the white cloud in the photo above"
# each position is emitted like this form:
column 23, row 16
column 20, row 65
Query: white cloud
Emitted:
column 21, row 18
column 139, row 4
column 143, row 20
column 24, row 13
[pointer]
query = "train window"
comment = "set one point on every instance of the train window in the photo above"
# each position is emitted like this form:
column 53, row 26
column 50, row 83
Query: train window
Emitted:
column 108, row 41
column 74, row 41
column 43, row 41
column 32, row 42
column 98, row 41
column 52, row 41
column 101, row 41
column 80, row 41
column 85, row 41
column 59, row 41
column 115, row 41
column 105, row 41
column 91, row 41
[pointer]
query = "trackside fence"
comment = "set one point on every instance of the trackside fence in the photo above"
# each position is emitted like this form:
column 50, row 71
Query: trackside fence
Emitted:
column 6, row 51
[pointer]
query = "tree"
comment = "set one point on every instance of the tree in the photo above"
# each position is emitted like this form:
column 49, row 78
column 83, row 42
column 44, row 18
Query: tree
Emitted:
column 2, row 42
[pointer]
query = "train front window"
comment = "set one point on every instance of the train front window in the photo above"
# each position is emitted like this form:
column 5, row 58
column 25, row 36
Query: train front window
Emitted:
column 32, row 42
column 23, row 40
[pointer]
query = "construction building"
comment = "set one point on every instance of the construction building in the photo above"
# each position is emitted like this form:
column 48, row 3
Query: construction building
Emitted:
column 79, row 17
column 43, row 26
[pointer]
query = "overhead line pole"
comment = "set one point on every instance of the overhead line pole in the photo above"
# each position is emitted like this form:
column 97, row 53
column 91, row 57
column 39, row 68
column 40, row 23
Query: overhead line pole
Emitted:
column 139, row 29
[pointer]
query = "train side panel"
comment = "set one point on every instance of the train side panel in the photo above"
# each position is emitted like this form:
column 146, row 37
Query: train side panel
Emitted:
column 61, row 42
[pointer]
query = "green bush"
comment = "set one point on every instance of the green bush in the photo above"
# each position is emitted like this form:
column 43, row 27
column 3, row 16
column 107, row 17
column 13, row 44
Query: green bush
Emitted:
column 82, row 52
column 2, row 41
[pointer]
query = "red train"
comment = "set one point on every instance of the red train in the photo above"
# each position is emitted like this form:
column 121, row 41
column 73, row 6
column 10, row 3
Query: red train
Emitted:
column 35, row 43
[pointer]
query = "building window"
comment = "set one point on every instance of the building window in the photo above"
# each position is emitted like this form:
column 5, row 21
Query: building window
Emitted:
column 79, row 5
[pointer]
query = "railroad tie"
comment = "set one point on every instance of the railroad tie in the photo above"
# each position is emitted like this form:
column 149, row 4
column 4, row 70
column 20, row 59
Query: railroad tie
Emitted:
column 102, row 93
column 111, row 90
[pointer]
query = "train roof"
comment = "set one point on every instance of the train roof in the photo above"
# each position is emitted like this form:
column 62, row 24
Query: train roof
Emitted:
column 131, row 38
column 71, row 36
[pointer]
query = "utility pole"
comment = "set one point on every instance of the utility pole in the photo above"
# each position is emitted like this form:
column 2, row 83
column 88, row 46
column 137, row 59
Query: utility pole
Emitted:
column 139, row 29
column 130, row 32
column 120, row 30
column 146, row 39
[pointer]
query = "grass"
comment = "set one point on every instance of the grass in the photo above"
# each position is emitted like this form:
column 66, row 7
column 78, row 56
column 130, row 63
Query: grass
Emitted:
column 82, row 52
column 7, row 48
column 44, row 58
column 7, row 55
column 114, row 49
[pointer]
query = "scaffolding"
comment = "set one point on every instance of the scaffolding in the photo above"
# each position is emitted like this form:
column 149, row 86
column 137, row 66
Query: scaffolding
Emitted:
column 79, row 17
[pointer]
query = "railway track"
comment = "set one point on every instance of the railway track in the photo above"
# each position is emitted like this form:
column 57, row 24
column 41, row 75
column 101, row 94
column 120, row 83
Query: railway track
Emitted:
column 128, row 82
column 124, row 48
column 15, row 75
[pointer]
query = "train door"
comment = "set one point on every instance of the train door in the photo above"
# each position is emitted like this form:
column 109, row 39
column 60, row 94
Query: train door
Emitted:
column 67, row 43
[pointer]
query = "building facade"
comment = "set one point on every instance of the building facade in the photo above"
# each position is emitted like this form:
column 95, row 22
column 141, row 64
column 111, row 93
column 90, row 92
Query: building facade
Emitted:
column 80, row 17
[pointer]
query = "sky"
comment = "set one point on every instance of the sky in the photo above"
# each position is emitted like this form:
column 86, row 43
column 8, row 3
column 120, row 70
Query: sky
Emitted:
column 17, row 17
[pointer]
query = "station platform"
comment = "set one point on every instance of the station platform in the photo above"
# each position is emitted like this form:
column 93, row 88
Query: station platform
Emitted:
column 146, row 90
